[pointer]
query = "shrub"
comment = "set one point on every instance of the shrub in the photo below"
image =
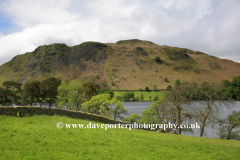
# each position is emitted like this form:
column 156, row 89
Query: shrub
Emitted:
column 119, row 98
column 158, row 60
column 166, row 80
column 169, row 87
column 147, row 89
column 127, row 96
column 156, row 98
column 137, row 98
column 154, row 87
column 133, row 118
column 97, row 77
column 142, row 97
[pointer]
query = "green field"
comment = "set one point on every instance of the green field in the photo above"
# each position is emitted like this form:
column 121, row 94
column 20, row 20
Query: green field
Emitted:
column 37, row 137
column 161, row 94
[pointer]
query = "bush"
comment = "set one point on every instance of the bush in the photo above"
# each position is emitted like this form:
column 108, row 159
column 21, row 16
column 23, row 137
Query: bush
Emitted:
column 127, row 96
column 140, row 89
column 166, row 80
column 119, row 98
column 142, row 97
column 154, row 87
column 97, row 77
column 147, row 89
column 156, row 98
column 158, row 60
column 133, row 118
column 137, row 99
column 169, row 87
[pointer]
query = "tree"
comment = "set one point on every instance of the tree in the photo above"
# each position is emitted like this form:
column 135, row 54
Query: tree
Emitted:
column 71, row 95
column 212, row 95
column 49, row 89
column 158, row 60
column 169, row 87
column 127, row 96
column 160, row 112
column 166, row 80
column 142, row 97
column 31, row 92
column 117, row 109
column 154, row 87
column 147, row 89
column 102, row 104
column 91, row 89
column 156, row 98
column 101, row 91
column 179, row 97
column 111, row 93
column 227, row 125
column 177, row 83
column 10, row 92
column 133, row 118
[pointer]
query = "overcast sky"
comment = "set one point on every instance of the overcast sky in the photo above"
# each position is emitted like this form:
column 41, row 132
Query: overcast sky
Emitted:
column 209, row 26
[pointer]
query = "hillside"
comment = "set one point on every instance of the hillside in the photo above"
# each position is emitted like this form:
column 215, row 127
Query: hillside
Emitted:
column 125, row 65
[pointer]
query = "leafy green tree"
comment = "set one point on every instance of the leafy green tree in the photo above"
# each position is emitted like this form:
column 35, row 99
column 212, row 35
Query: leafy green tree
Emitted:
column 101, row 91
column 49, row 90
column 233, row 87
column 156, row 98
column 133, row 118
column 160, row 112
column 119, row 98
column 91, row 89
column 10, row 92
column 102, row 104
column 127, row 96
column 179, row 98
column 147, row 89
column 2, row 97
column 212, row 95
column 71, row 95
column 111, row 93
column 227, row 125
column 117, row 109
column 96, row 104
column 31, row 92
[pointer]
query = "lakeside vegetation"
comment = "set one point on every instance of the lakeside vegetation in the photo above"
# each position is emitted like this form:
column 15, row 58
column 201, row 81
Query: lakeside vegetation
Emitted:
column 173, row 106
column 147, row 95
column 37, row 137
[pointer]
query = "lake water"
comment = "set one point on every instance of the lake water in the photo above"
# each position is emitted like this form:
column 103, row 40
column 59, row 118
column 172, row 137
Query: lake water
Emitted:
column 137, row 107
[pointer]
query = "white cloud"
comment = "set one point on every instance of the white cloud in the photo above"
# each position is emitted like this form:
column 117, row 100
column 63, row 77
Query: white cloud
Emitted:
column 207, row 25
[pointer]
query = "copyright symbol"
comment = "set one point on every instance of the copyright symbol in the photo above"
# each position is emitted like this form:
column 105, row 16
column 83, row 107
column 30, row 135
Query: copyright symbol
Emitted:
column 59, row 125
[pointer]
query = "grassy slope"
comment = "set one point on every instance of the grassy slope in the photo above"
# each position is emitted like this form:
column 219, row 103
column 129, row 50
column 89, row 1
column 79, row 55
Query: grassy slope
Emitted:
column 129, row 65
column 37, row 137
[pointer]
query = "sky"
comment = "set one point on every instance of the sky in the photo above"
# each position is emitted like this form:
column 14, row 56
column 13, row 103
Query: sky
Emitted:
column 209, row 26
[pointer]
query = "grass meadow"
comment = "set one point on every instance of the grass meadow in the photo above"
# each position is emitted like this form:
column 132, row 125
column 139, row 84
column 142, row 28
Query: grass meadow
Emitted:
column 148, row 96
column 37, row 137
